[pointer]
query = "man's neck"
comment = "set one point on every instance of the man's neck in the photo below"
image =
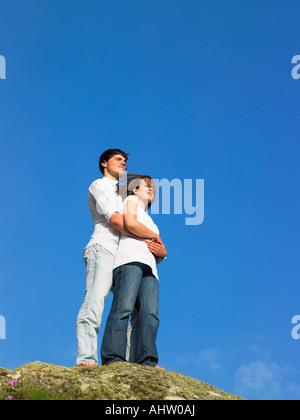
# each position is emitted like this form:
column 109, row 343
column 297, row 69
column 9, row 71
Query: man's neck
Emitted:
column 109, row 176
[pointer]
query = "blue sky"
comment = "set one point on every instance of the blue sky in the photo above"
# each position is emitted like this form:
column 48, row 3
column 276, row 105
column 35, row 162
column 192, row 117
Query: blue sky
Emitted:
column 192, row 90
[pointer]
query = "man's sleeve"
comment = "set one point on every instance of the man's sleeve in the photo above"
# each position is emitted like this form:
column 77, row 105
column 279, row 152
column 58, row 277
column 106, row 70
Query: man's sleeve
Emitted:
column 105, row 204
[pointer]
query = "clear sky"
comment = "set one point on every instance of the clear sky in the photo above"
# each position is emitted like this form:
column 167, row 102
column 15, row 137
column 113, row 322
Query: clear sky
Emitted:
column 192, row 90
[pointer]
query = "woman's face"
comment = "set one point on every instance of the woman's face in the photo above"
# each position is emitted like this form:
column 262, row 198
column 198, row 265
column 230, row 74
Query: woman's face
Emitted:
column 145, row 192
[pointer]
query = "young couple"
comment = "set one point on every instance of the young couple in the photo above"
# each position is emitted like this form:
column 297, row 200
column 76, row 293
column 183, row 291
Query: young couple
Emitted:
column 123, row 253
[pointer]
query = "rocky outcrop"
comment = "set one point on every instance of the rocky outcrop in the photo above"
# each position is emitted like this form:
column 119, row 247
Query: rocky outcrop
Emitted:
column 120, row 381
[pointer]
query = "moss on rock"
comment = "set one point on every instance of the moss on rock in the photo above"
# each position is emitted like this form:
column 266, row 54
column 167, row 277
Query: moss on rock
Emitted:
column 119, row 381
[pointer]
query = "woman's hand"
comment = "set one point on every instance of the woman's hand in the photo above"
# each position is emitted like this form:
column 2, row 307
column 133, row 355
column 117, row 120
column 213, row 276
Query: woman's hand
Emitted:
column 157, row 249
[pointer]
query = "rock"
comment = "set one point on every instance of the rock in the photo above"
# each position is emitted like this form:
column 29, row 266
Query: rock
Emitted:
column 119, row 381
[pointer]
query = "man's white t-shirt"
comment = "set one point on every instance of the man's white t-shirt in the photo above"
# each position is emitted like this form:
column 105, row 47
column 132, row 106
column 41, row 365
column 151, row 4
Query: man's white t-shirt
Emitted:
column 131, row 250
column 103, row 203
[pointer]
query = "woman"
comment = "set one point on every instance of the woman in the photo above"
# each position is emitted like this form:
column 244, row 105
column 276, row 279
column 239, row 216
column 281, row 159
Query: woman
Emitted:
column 136, row 282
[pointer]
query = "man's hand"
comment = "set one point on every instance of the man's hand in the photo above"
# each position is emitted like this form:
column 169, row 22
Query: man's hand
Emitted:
column 157, row 249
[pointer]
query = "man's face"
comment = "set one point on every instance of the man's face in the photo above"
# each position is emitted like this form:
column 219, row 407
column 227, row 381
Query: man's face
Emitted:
column 115, row 166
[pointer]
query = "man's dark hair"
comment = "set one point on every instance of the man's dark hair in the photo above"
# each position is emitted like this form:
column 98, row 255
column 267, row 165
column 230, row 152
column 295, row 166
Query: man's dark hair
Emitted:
column 108, row 154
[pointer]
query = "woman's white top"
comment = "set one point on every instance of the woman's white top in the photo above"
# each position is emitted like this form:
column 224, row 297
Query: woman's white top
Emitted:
column 131, row 250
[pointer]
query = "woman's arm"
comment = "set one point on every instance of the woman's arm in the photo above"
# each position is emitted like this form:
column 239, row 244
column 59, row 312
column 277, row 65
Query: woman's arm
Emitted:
column 135, row 227
column 117, row 221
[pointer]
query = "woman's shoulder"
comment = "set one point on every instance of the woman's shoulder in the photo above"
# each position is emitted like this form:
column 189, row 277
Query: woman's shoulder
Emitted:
column 131, row 198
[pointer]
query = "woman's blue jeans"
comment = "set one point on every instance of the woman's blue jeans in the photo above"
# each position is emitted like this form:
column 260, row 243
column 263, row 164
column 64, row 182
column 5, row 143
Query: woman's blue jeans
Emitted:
column 135, row 288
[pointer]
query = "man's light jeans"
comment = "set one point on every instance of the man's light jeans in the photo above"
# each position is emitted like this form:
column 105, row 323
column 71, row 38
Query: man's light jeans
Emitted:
column 99, row 263
column 99, row 281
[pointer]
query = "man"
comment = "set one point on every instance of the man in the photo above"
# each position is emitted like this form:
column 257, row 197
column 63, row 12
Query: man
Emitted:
column 105, row 206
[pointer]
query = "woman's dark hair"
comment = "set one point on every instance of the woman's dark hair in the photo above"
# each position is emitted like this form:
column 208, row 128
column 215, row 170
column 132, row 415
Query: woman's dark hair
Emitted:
column 108, row 154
